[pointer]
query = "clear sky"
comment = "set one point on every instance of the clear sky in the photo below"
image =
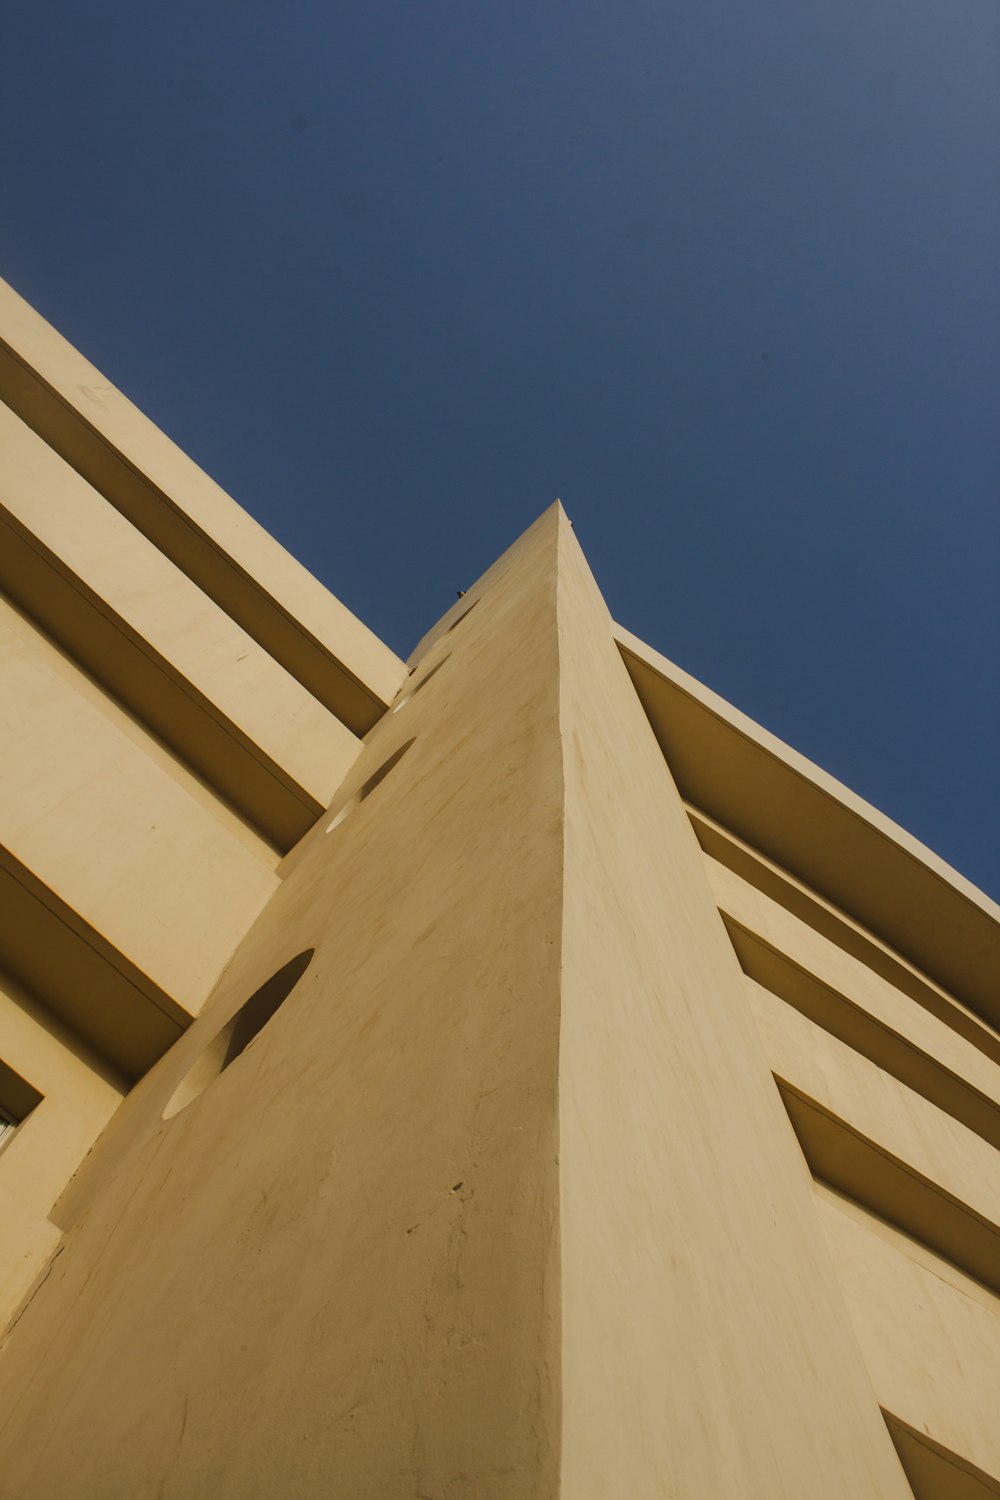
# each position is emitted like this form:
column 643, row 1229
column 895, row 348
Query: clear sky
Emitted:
column 723, row 276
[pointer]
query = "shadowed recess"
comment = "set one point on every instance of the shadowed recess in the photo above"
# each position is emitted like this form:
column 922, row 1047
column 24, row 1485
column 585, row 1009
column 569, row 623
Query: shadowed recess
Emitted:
column 235, row 1037
column 369, row 786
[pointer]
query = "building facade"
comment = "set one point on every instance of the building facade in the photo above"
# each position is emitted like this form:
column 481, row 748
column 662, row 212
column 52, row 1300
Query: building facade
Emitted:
column 509, row 1073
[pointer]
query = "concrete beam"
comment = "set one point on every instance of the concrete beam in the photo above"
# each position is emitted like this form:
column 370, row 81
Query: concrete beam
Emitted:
column 166, row 651
column 100, row 434
column 810, row 824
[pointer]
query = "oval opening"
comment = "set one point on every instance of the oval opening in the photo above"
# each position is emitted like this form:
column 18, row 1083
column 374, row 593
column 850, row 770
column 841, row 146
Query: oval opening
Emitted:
column 369, row 786
column 462, row 616
column 236, row 1036
column 420, row 685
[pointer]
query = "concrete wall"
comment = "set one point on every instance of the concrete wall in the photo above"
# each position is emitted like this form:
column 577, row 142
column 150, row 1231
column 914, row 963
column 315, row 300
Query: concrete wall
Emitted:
column 892, row 1090
column 337, row 1270
column 503, row 1201
column 113, row 831
column 930, row 1335
column 79, row 1096
column 96, row 431
column 631, row 1127
column 181, row 701
column 705, row 1347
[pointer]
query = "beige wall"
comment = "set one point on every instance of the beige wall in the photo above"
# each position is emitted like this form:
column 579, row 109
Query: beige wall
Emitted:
column 337, row 1271
column 581, row 1161
column 79, row 1096
column 162, row 742
column 181, row 701
column 115, row 832
column 905, row 1125
column 810, row 825
column 705, row 1349
column 894, row 1103
column 931, row 1336
column 802, row 961
column 505, row 1201
column 82, row 417
column 163, row 646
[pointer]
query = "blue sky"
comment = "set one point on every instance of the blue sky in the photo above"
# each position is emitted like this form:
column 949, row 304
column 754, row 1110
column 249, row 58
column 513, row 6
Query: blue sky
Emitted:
column 722, row 276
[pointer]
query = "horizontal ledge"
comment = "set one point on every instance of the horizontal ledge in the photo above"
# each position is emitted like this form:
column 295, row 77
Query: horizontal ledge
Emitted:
column 150, row 687
column 933, row 1471
column 822, row 833
column 80, row 977
column 863, row 1170
column 100, row 434
column 722, row 845
column 867, row 1034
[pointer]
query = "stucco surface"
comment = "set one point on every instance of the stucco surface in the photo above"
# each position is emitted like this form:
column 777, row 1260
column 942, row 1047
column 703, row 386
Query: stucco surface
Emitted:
column 517, row 1195
column 97, row 430
column 79, row 1097
column 112, row 832
column 841, row 994
column 722, row 847
column 705, row 1349
column 820, row 831
column 930, row 1336
column 161, row 644
column 503, row 1202
column 817, row 955
column 901, row 1121
column 336, row 1272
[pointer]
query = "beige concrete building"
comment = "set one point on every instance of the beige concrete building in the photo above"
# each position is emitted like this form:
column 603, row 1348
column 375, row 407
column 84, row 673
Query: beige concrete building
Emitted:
column 507, row 1074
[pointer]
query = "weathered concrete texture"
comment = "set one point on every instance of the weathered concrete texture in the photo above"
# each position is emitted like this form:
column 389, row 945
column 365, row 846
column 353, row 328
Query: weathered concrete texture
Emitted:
column 336, row 1272
column 503, row 1203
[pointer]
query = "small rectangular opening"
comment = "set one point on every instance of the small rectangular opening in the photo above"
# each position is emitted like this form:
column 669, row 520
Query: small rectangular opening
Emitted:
column 17, row 1099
